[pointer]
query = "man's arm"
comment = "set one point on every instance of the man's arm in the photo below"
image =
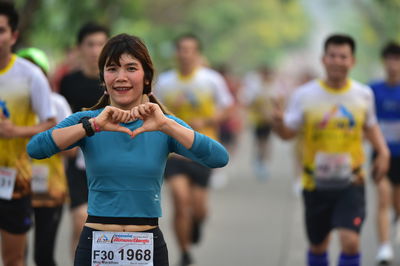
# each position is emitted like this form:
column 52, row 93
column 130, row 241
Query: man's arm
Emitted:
column 9, row 130
column 278, row 124
column 381, row 163
column 224, row 100
column 285, row 133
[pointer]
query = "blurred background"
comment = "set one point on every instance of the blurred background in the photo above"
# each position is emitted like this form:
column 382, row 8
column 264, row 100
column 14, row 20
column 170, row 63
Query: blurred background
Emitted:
column 240, row 33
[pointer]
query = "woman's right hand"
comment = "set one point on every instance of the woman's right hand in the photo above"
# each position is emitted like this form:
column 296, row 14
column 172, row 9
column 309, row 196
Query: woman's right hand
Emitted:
column 110, row 118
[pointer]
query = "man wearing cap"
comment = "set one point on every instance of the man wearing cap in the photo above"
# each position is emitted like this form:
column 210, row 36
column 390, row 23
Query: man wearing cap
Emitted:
column 25, row 98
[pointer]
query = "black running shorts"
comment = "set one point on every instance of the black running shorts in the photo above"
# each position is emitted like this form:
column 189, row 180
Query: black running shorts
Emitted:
column 198, row 174
column 16, row 215
column 394, row 170
column 77, row 185
column 329, row 209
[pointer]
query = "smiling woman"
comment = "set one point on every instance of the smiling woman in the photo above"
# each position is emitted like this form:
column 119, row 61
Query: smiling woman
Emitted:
column 124, row 82
column 125, row 171
column 125, row 64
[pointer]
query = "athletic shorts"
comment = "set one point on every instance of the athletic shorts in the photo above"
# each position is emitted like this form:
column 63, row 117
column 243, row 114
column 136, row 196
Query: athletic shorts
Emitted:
column 262, row 131
column 226, row 135
column 16, row 215
column 77, row 185
column 329, row 209
column 198, row 174
column 394, row 169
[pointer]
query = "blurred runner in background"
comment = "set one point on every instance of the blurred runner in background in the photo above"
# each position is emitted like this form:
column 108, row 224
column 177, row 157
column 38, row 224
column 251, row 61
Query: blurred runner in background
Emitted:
column 231, row 126
column 334, row 114
column 200, row 96
column 24, row 100
column 49, row 183
column 387, row 100
column 258, row 89
column 82, row 89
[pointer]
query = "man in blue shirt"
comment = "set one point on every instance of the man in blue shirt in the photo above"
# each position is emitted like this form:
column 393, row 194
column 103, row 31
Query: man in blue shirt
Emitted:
column 387, row 99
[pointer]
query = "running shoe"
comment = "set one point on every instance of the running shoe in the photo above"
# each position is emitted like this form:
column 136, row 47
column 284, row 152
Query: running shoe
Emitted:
column 186, row 259
column 385, row 255
column 261, row 170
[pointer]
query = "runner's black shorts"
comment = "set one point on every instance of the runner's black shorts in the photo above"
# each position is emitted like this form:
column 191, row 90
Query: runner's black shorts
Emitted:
column 16, row 215
column 263, row 130
column 198, row 174
column 329, row 209
column 394, row 169
column 77, row 184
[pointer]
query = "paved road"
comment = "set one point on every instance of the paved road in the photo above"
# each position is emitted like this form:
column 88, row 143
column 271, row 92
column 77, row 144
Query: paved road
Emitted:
column 252, row 223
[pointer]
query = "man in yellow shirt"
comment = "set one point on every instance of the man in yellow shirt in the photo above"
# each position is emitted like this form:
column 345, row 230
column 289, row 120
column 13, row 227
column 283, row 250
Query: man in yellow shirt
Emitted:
column 24, row 97
column 334, row 114
column 200, row 96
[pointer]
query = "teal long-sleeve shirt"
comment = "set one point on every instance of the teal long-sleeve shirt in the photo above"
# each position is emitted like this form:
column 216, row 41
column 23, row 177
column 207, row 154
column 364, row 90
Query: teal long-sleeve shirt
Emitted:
column 125, row 175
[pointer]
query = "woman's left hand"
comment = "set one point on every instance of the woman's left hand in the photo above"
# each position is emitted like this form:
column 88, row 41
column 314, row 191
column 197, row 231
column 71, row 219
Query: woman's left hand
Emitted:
column 152, row 116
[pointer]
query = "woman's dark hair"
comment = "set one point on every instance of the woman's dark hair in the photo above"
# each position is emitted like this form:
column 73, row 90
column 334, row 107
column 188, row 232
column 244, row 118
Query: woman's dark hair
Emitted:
column 111, row 54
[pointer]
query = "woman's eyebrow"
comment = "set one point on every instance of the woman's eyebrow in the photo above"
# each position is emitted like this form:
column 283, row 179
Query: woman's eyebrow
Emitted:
column 132, row 64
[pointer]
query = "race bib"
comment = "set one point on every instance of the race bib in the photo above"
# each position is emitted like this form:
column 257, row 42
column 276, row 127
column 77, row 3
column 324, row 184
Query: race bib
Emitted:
column 390, row 130
column 333, row 170
column 122, row 248
column 40, row 178
column 7, row 182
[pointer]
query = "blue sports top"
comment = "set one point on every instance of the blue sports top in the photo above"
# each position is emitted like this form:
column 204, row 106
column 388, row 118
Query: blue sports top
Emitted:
column 387, row 102
column 125, row 175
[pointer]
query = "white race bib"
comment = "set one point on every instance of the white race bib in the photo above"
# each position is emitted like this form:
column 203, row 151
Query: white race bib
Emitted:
column 40, row 178
column 122, row 248
column 7, row 182
column 333, row 169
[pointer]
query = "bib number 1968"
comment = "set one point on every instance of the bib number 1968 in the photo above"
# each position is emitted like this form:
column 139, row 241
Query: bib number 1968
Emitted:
column 123, row 254
column 122, row 248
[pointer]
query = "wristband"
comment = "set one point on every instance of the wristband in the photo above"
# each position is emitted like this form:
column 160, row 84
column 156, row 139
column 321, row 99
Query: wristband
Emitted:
column 96, row 127
column 87, row 126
